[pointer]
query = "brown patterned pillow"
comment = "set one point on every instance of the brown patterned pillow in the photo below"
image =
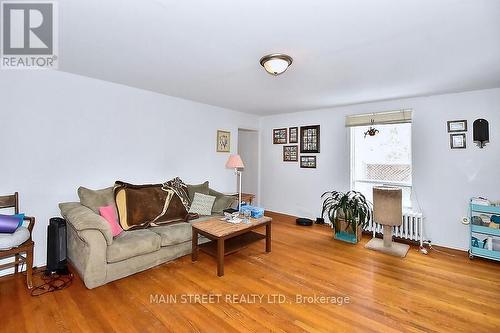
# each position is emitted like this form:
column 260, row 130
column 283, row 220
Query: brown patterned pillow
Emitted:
column 140, row 206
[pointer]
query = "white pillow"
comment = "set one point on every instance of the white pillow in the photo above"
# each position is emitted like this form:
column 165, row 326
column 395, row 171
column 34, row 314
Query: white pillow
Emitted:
column 9, row 241
column 202, row 204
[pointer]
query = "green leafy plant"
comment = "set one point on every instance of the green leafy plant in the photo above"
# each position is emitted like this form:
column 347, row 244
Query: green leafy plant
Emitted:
column 351, row 206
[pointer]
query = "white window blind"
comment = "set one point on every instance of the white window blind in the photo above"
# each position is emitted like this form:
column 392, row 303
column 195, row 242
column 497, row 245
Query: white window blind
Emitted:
column 379, row 118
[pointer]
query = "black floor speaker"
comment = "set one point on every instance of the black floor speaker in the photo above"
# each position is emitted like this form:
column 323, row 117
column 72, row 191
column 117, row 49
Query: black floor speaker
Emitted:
column 56, row 247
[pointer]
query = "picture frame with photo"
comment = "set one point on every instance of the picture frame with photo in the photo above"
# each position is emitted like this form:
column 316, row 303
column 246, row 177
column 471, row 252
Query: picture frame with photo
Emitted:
column 280, row 136
column 223, row 141
column 309, row 139
column 290, row 153
column 458, row 141
column 308, row 162
column 457, row 126
column 293, row 135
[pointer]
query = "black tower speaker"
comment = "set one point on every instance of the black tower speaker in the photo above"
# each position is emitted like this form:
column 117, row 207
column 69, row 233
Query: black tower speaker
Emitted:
column 481, row 132
column 56, row 247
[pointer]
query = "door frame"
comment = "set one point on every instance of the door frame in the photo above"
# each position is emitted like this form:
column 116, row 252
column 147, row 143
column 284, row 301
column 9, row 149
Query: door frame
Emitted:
column 259, row 165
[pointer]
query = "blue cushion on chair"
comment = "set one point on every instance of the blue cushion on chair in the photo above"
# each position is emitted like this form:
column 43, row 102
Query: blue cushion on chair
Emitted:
column 9, row 241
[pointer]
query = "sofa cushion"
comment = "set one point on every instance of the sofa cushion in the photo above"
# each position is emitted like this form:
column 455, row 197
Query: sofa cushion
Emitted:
column 198, row 188
column 222, row 201
column 131, row 244
column 204, row 218
column 178, row 233
column 94, row 199
column 174, row 234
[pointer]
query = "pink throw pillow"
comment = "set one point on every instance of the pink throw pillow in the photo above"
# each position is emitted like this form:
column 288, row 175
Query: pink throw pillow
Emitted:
column 109, row 214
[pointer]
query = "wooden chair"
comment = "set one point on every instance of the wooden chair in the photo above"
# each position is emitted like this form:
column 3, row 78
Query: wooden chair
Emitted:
column 12, row 201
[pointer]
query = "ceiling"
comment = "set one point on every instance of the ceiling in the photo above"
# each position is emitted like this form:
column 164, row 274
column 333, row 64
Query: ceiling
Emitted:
column 344, row 51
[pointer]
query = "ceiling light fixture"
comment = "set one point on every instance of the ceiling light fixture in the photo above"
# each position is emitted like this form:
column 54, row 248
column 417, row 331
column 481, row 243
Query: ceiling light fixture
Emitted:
column 276, row 63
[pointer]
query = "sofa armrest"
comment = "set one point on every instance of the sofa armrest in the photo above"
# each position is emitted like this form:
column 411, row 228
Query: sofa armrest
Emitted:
column 82, row 218
column 87, row 254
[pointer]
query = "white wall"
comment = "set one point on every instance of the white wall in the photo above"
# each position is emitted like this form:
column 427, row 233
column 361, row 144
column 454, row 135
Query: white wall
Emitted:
column 248, row 148
column 60, row 131
column 443, row 179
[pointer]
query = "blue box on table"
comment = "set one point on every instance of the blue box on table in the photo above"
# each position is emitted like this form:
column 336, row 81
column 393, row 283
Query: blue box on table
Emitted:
column 255, row 212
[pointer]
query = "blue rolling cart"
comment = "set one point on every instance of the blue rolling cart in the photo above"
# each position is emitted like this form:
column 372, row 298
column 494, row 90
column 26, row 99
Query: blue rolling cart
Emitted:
column 477, row 247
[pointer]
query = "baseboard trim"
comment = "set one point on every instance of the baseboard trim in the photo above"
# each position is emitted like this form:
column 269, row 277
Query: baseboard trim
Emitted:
column 286, row 218
column 281, row 216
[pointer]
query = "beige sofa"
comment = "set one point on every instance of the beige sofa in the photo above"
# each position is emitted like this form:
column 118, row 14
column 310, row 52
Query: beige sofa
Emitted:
column 99, row 258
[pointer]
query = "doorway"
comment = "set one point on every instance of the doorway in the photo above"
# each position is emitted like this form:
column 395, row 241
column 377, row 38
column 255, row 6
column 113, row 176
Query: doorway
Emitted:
column 248, row 149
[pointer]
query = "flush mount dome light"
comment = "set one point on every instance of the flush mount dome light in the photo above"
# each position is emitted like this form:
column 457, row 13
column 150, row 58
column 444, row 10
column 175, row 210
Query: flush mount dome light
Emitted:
column 276, row 64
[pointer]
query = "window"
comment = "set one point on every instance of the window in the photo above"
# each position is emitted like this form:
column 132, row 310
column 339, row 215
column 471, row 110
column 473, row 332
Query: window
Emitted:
column 383, row 159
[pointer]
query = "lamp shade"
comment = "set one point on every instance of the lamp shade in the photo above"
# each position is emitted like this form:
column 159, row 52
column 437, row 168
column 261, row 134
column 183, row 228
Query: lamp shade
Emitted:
column 234, row 162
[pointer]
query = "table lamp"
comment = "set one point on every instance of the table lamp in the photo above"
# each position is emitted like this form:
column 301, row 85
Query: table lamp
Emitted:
column 235, row 162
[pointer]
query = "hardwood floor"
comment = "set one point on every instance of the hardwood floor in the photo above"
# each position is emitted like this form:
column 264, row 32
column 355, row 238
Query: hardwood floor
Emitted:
column 434, row 293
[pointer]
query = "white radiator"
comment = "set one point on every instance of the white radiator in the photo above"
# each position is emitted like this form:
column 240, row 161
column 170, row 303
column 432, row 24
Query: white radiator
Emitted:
column 411, row 228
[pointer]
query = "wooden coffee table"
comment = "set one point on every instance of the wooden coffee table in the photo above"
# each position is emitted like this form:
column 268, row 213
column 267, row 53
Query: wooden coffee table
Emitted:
column 226, row 238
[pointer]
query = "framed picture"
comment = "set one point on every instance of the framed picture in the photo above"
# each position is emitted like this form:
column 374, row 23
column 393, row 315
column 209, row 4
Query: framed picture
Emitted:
column 309, row 139
column 308, row 162
column 457, row 141
column 293, row 134
column 457, row 126
column 290, row 153
column 279, row 136
column 223, row 141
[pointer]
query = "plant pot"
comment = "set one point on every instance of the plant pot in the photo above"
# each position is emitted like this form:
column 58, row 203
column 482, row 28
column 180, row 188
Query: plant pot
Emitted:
column 343, row 231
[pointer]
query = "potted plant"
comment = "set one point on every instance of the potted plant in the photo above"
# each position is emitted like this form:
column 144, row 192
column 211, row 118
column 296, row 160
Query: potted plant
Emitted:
column 349, row 213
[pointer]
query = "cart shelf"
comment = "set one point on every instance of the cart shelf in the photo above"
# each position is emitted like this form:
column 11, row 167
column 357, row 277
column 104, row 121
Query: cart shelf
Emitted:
column 484, row 231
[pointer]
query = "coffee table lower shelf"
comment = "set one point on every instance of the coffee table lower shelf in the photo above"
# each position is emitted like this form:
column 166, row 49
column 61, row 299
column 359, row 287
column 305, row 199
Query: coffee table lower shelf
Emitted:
column 232, row 245
column 226, row 238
